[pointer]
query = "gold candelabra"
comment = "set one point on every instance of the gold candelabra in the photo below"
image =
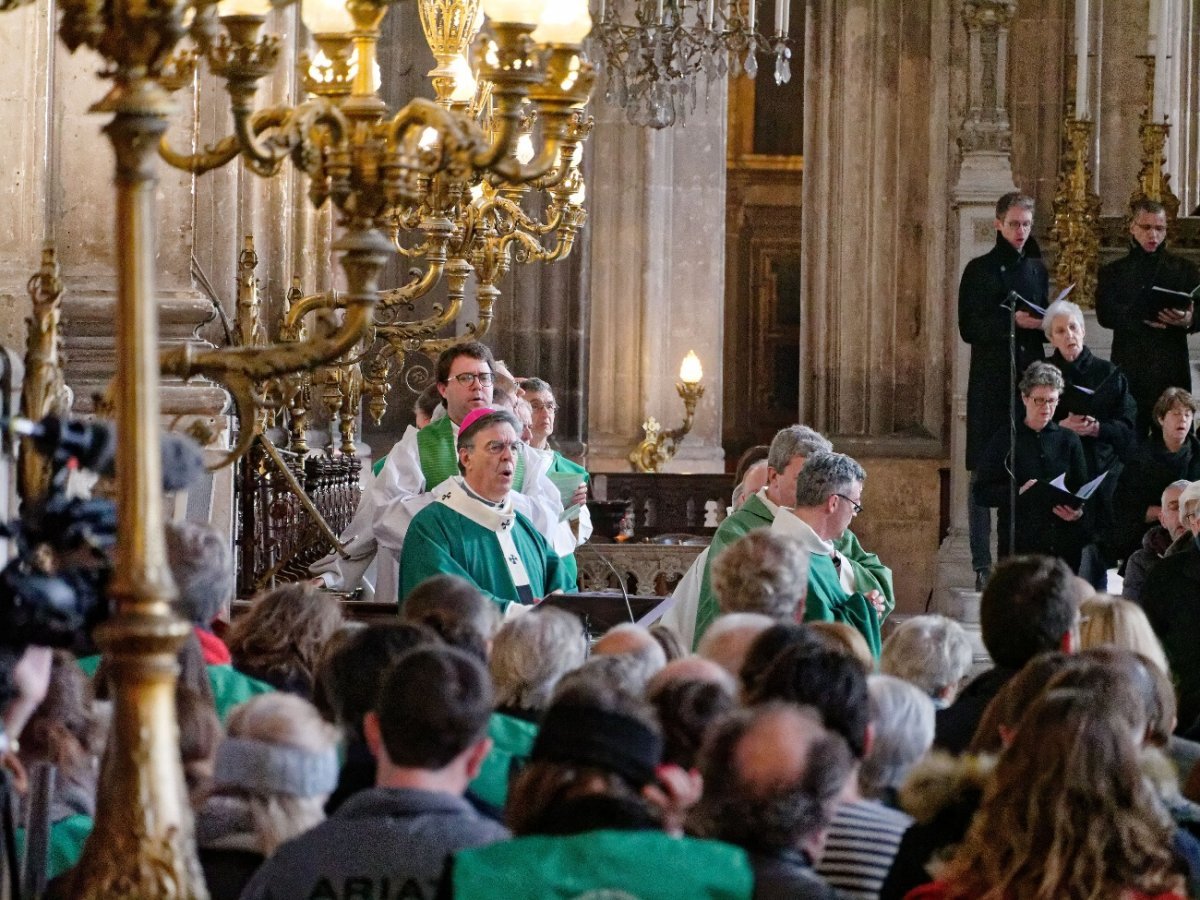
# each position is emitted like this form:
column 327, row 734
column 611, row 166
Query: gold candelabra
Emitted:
column 1076, row 215
column 1154, row 182
column 357, row 157
column 658, row 447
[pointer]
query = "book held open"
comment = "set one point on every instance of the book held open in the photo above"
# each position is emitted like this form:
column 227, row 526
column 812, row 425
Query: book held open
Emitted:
column 1049, row 494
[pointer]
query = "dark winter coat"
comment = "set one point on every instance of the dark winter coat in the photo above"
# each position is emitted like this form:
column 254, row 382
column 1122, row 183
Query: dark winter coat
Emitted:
column 983, row 323
column 1171, row 600
column 1043, row 455
column 1153, row 359
column 1143, row 479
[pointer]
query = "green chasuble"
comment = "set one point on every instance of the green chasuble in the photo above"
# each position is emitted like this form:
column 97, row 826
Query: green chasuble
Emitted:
column 646, row 865
column 827, row 602
column 512, row 742
column 870, row 574
column 441, row 541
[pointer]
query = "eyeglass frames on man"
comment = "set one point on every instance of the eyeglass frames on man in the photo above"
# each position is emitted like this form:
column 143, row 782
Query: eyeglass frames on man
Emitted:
column 857, row 506
column 466, row 379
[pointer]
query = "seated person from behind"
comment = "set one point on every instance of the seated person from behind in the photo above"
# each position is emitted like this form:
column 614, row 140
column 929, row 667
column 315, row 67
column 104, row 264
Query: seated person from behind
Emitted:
column 428, row 733
column 1044, row 452
column 472, row 530
column 828, row 496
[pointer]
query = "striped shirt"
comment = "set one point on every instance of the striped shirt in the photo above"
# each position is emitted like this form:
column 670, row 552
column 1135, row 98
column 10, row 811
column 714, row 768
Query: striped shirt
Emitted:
column 862, row 843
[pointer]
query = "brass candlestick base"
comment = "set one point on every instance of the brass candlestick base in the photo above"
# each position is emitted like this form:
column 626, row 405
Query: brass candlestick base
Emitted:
column 1154, row 183
column 1077, row 216
column 658, row 447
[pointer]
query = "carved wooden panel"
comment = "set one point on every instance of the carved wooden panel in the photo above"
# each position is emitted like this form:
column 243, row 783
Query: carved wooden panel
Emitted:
column 668, row 504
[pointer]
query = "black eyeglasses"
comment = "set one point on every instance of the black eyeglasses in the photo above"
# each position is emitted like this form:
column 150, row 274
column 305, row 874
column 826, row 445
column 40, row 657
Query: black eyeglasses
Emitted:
column 857, row 506
column 466, row 379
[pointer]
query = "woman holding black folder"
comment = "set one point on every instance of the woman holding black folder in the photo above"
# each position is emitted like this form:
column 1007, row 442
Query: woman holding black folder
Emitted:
column 1046, row 520
column 1097, row 405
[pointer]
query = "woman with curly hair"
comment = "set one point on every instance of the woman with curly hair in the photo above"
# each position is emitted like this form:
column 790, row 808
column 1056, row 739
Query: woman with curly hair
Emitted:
column 279, row 640
column 1067, row 814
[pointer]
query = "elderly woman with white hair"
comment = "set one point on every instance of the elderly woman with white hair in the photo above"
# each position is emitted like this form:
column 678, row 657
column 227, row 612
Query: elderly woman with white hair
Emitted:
column 902, row 717
column 932, row 653
column 1098, row 406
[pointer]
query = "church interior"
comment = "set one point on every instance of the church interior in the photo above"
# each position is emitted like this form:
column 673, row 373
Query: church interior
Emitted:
column 227, row 222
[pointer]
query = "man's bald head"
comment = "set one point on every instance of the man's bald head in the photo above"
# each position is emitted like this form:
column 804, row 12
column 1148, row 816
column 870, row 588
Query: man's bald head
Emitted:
column 728, row 639
column 635, row 642
column 693, row 668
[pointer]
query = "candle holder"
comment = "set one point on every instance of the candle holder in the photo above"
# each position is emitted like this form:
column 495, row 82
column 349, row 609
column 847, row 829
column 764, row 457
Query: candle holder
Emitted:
column 1154, row 182
column 1076, row 216
column 658, row 447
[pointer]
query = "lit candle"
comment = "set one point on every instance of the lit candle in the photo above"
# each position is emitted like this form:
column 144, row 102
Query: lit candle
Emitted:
column 690, row 372
column 1082, row 63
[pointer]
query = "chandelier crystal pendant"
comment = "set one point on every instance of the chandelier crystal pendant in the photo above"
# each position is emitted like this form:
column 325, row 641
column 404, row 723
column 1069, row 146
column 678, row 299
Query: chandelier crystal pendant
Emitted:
column 655, row 53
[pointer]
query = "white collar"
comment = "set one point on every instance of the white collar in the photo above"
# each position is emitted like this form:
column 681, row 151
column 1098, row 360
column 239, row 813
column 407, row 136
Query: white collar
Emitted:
column 792, row 524
column 761, row 494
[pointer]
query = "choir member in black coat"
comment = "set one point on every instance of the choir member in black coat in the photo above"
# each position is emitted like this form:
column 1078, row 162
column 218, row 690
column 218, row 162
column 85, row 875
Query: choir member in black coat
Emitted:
column 1096, row 405
column 1152, row 353
column 1171, row 453
column 1013, row 265
column 1044, row 451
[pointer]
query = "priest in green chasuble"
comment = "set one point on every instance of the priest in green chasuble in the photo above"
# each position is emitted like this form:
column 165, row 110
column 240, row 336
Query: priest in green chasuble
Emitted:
column 471, row 529
column 790, row 448
column 828, row 496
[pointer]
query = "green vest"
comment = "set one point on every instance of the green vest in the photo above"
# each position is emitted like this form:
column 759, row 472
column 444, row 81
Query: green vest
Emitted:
column 512, row 742
column 67, row 837
column 229, row 686
column 439, row 455
column 632, row 865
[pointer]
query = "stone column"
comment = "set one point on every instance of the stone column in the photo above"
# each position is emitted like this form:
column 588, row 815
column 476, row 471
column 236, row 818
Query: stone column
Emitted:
column 986, row 174
column 657, row 221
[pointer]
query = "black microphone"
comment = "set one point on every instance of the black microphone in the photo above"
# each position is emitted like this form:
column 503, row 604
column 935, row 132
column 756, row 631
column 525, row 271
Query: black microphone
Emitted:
column 94, row 446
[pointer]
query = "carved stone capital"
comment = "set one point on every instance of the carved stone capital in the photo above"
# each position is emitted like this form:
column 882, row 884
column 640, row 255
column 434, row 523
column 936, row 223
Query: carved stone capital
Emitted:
column 979, row 136
column 988, row 13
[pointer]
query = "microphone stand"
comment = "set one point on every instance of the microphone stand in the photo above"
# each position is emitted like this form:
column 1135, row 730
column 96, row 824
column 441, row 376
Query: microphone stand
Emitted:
column 1010, row 304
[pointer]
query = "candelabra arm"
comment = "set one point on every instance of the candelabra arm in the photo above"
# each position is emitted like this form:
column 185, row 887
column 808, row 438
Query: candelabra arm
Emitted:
column 439, row 231
column 293, row 322
column 242, row 369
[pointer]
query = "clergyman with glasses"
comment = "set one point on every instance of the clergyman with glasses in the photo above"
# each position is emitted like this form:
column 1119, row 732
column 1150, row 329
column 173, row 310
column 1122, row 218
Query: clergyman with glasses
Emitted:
column 421, row 461
column 1045, row 450
column 472, row 528
column 1151, row 350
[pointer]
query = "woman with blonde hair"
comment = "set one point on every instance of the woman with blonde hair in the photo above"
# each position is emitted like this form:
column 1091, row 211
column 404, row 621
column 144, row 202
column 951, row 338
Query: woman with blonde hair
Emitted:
column 1059, row 823
column 273, row 773
column 1114, row 621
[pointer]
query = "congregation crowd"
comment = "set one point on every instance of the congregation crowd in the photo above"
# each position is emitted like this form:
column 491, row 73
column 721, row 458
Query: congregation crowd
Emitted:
column 773, row 735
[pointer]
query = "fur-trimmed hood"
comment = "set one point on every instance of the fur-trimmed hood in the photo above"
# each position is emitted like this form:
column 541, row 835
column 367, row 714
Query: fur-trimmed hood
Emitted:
column 942, row 780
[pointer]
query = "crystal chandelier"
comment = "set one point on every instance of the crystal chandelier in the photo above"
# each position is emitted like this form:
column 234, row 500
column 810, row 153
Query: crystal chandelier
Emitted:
column 654, row 53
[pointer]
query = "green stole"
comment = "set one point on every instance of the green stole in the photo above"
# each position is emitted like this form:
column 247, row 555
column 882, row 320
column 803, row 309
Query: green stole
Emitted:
column 828, row 602
column 646, row 865
column 752, row 514
column 512, row 742
column 67, row 837
column 438, row 452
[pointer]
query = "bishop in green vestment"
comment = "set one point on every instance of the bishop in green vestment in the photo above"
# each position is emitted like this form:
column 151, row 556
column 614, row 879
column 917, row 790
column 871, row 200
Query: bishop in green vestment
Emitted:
column 471, row 529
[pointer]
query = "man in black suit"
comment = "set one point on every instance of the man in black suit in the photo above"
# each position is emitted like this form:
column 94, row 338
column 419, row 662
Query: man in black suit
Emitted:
column 1152, row 352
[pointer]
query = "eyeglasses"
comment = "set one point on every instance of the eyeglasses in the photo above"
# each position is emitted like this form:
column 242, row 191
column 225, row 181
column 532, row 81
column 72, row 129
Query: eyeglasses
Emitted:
column 857, row 506
column 538, row 405
column 466, row 379
column 1043, row 401
column 496, row 448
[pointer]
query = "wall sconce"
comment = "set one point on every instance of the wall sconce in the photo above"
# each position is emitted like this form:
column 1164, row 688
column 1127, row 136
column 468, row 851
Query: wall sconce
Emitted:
column 658, row 447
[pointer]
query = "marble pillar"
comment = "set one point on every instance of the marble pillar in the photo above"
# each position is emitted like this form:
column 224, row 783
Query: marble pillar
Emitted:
column 657, row 220
column 985, row 175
